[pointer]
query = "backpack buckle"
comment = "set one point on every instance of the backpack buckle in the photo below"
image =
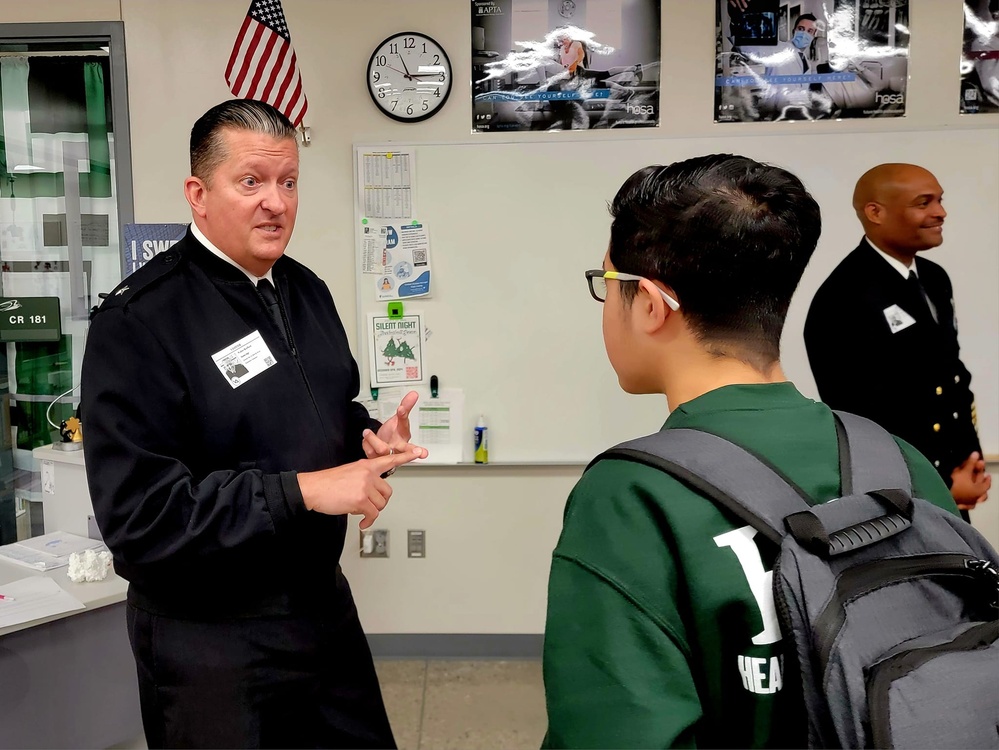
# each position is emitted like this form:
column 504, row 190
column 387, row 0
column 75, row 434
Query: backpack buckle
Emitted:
column 989, row 574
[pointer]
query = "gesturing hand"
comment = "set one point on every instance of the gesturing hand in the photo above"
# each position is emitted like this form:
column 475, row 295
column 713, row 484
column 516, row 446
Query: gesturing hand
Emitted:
column 970, row 482
column 356, row 489
column 395, row 434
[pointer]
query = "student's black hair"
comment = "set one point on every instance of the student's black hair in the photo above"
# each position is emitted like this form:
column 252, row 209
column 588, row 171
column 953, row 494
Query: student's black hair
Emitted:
column 804, row 17
column 207, row 144
column 730, row 235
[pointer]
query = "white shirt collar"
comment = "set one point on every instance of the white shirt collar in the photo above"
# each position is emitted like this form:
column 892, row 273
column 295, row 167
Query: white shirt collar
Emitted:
column 200, row 237
column 893, row 262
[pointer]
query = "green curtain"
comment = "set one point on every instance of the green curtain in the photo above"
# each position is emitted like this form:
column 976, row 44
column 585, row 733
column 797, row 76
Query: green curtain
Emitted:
column 73, row 104
column 4, row 175
column 97, row 131
column 15, row 147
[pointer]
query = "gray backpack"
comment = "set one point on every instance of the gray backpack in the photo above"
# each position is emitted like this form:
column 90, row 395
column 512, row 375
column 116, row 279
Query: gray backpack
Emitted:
column 891, row 604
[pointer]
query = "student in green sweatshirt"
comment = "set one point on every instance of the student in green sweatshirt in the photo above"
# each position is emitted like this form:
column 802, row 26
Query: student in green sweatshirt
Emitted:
column 661, row 628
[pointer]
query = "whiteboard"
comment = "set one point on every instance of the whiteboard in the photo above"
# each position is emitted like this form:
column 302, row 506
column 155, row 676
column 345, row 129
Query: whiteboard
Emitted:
column 514, row 225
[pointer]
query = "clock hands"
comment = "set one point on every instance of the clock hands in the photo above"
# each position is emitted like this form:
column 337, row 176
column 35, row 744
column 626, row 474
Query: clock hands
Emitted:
column 407, row 73
column 411, row 76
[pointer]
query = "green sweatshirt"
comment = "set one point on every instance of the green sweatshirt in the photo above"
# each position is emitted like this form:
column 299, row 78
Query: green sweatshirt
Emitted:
column 661, row 630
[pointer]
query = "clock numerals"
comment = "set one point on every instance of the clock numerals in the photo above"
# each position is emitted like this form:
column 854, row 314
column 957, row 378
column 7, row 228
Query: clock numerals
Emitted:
column 381, row 61
column 407, row 43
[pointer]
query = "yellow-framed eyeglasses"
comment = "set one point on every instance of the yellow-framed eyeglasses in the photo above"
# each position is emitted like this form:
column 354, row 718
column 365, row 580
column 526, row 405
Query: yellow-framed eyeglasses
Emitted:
column 597, row 281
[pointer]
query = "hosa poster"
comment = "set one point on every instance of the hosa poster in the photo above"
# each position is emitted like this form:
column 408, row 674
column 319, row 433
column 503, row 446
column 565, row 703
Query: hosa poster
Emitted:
column 980, row 58
column 810, row 59
column 564, row 64
column 399, row 258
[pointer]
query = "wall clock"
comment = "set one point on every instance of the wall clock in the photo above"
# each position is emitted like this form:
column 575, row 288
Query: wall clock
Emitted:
column 409, row 76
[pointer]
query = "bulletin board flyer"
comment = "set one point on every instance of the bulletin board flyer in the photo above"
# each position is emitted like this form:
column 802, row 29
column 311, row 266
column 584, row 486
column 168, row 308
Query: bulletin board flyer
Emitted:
column 395, row 350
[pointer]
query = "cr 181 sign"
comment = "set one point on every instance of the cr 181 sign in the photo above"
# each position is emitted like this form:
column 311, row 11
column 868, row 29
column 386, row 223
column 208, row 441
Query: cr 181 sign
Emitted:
column 30, row 319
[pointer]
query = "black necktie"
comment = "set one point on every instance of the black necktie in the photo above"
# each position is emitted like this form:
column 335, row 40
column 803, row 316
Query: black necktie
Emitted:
column 917, row 287
column 269, row 295
column 804, row 63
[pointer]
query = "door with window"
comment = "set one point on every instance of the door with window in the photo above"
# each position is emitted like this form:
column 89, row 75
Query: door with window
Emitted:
column 65, row 192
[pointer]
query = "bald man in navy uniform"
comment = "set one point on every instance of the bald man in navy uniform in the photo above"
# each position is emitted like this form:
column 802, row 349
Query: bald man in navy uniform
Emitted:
column 881, row 332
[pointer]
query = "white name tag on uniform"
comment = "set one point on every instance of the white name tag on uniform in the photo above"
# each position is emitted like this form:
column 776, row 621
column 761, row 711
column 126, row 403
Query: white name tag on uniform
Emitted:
column 244, row 359
column 898, row 319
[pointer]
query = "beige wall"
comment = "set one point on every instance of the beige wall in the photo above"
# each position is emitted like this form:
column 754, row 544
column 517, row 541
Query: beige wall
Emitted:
column 48, row 11
column 490, row 531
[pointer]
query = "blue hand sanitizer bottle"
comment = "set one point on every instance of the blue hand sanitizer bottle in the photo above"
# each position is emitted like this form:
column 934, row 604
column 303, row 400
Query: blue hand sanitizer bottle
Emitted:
column 481, row 441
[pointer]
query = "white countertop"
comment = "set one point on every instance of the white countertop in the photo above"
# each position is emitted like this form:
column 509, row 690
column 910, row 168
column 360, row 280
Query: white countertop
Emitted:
column 49, row 453
column 92, row 595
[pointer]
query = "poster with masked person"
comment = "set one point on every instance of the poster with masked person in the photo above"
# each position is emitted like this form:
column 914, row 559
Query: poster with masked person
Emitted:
column 810, row 60
column 980, row 58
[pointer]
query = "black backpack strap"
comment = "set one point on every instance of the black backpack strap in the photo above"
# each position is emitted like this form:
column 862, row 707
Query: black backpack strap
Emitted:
column 869, row 457
column 737, row 480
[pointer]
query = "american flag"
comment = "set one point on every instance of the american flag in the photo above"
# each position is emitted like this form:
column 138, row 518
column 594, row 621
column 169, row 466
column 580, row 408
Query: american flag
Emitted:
column 263, row 65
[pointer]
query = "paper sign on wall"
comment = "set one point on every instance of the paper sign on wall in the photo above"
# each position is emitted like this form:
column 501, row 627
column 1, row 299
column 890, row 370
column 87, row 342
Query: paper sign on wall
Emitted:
column 395, row 350
column 406, row 263
column 385, row 181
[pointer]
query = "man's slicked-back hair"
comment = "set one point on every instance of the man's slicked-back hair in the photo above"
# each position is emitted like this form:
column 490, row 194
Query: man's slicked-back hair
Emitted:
column 207, row 143
column 730, row 235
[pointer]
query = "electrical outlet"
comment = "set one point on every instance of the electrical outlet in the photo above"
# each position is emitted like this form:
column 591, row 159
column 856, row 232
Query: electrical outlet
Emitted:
column 375, row 543
column 417, row 543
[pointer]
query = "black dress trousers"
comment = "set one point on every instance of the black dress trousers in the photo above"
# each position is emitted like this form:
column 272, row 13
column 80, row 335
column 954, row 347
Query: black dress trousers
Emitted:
column 283, row 681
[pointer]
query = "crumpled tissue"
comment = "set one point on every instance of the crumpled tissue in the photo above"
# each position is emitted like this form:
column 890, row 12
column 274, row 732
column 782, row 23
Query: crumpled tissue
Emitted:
column 89, row 565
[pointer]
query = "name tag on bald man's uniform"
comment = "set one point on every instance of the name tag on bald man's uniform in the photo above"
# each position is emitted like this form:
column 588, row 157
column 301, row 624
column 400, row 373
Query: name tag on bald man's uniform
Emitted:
column 244, row 359
column 898, row 319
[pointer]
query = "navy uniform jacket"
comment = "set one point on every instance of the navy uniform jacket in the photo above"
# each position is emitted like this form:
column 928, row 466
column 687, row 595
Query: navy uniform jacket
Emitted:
column 912, row 381
column 194, row 482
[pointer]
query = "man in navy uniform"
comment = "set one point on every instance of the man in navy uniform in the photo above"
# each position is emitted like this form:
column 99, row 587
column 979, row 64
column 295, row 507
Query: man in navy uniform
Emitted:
column 881, row 332
column 224, row 451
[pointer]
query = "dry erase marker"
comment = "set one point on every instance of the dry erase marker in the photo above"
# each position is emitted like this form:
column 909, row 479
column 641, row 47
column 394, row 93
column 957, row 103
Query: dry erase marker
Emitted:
column 433, row 386
column 5, row 598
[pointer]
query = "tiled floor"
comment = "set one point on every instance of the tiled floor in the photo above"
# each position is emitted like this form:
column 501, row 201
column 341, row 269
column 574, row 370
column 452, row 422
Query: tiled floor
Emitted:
column 439, row 705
